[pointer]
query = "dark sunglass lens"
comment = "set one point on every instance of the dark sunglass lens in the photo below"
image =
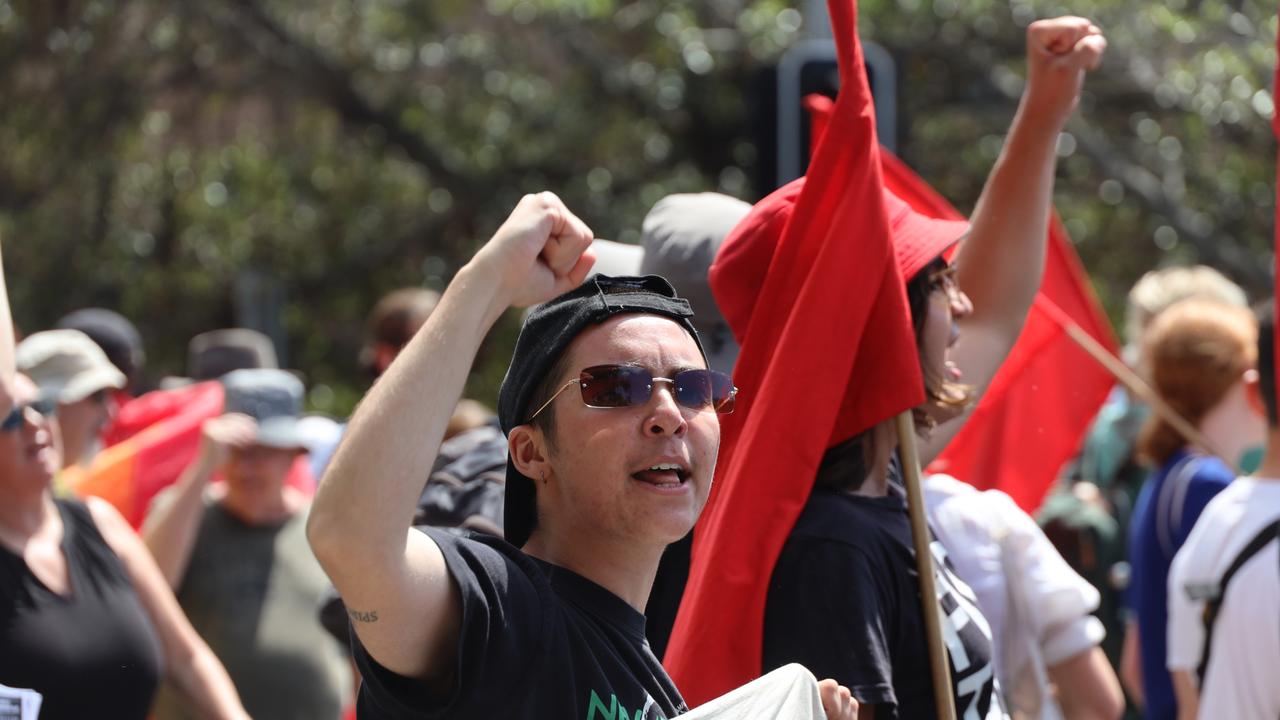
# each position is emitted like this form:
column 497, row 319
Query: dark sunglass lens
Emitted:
column 612, row 386
column 13, row 420
column 45, row 407
column 694, row 389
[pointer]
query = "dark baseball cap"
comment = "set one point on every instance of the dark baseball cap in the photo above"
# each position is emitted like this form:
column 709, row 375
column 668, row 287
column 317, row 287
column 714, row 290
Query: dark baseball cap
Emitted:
column 113, row 332
column 547, row 331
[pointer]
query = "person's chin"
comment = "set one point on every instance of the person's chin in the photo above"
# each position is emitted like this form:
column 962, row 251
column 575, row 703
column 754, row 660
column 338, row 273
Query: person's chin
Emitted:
column 44, row 473
column 671, row 524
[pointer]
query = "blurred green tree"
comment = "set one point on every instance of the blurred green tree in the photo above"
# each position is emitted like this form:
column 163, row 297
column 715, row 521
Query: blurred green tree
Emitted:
column 181, row 162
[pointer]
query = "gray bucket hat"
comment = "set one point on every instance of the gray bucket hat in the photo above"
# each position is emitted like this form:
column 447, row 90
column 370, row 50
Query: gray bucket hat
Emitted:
column 681, row 236
column 273, row 398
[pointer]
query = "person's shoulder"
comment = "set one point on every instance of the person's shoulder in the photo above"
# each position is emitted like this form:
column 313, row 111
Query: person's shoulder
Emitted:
column 1225, row 507
column 960, row 514
column 966, row 500
column 838, row 540
column 1252, row 491
column 941, row 487
column 1209, row 470
column 1245, row 503
column 106, row 518
column 838, row 519
column 483, row 552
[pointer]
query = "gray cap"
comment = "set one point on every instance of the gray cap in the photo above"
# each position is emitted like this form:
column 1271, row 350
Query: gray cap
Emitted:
column 681, row 236
column 67, row 365
column 273, row 398
column 212, row 354
column 616, row 259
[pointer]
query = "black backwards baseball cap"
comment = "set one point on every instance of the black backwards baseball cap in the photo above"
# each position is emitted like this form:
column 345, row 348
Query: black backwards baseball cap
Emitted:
column 545, row 335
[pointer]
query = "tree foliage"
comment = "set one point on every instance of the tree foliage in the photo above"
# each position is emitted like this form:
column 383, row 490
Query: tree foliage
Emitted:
column 195, row 165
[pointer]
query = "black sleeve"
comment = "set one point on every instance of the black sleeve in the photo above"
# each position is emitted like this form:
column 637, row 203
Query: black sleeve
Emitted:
column 828, row 610
column 503, row 628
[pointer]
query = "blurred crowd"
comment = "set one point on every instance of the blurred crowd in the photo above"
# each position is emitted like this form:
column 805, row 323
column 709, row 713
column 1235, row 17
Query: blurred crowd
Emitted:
column 209, row 549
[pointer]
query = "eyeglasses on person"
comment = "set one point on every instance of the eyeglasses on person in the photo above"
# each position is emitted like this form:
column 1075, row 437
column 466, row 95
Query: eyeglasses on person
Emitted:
column 13, row 421
column 617, row 386
column 944, row 280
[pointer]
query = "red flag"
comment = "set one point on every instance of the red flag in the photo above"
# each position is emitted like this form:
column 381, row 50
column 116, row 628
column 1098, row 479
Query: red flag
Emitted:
column 831, row 274
column 1034, row 415
column 158, row 439
column 138, row 414
column 1040, row 403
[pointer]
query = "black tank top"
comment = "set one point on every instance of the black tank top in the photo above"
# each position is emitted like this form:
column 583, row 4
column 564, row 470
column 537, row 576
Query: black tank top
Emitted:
column 93, row 654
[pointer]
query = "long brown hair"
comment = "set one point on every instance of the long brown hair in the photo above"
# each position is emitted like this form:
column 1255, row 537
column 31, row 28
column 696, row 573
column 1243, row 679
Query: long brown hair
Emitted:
column 1197, row 350
column 845, row 465
column 946, row 398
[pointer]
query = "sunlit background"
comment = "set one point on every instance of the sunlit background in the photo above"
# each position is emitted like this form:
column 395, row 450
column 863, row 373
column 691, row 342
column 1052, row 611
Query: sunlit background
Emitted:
column 282, row 164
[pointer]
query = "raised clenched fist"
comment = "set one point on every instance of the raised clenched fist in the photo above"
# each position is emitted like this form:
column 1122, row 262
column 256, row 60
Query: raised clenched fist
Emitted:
column 218, row 436
column 1059, row 52
column 539, row 252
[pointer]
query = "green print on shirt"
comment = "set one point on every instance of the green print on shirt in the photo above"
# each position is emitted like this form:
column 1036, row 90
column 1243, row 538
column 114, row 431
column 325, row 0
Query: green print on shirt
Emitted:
column 596, row 710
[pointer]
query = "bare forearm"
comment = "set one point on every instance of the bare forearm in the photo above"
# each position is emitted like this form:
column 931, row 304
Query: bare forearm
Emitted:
column 1131, row 664
column 1187, row 694
column 365, row 505
column 207, row 687
column 172, row 525
column 7, row 362
column 1001, row 263
column 403, row 600
column 1087, row 687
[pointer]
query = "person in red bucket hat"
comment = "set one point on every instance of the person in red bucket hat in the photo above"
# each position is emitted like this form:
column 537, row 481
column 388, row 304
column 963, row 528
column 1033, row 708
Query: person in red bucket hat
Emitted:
column 830, row 582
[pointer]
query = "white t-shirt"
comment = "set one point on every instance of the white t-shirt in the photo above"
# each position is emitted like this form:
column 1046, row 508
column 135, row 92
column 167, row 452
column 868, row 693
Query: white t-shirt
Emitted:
column 1037, row 606
column 1241, row 680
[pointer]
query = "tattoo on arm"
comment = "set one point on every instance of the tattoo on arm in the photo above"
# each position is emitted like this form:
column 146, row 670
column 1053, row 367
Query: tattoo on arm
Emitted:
column 364, row 617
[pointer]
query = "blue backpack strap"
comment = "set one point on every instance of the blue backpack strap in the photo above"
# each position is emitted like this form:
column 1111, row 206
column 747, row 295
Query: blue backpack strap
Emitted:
column 1170, row 501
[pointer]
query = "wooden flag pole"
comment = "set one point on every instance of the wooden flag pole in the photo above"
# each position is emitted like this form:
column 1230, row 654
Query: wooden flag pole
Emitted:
column 944, row 698
column 1139, row 387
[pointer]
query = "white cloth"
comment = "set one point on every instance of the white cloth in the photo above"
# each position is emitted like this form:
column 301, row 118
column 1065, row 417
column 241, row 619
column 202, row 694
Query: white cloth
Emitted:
column 1241, row 680
column 788, row 693
column 19, row 703
column 1039, row 608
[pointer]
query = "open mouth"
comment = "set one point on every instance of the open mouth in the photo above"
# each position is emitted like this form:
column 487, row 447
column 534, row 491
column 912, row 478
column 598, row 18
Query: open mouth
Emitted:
column 663, row 475
column 39, row 451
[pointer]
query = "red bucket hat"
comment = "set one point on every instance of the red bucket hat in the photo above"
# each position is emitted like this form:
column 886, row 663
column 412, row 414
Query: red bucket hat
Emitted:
column 748, row 251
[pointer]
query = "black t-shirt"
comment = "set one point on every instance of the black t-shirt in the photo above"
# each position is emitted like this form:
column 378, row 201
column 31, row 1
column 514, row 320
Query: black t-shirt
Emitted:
column 844, row 601
column 537, row 641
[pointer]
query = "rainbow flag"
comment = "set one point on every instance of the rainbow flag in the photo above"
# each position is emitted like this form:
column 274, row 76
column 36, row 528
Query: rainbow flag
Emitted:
column 155, row 437
column 161, row 434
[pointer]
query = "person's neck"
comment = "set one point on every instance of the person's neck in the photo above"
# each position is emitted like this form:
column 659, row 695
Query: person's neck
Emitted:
column 24, row 513
column 884, row 443
column 262, row 508
column 1232, row 427
column 621, row 568
column 73, row 452
column 1270, row 467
